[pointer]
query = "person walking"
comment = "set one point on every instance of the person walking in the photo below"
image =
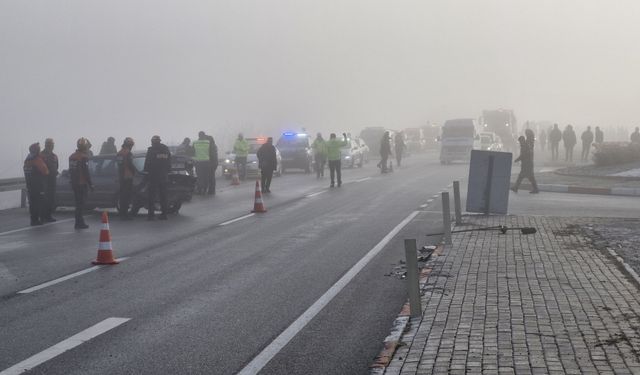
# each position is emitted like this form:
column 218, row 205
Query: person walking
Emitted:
column 185, row 148
column 334, row 157
column 555, row 136
column 35, row 174
column 157, row 164
column 635, row 136
column 400, row 147
column 526, row 166
column 213, row 165
column 385, row 152
column 80, row 179
column 569, row 140
column 51, row 160
column 319, row 147
column 599, row 135
column 241, row 150
column 587, row 141
column 267, row 162
column 543, row 139
column 202, row 158
column 126, row 172
column 109, row 147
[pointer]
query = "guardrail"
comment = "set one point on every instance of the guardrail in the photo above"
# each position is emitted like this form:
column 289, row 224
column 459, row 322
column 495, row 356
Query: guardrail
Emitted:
column 13, row 184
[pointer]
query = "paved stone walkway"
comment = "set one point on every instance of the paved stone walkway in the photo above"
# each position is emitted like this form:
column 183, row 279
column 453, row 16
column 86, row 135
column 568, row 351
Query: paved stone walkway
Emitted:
column 548, row 303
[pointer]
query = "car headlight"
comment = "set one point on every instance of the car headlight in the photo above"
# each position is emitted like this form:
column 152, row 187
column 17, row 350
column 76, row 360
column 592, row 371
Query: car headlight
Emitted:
column 254, row 162
column 227, row 161
column 347, row 157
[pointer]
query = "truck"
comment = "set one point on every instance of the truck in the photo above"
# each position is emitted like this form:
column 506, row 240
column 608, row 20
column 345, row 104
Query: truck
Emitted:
column 457, row 140
column 503, row 123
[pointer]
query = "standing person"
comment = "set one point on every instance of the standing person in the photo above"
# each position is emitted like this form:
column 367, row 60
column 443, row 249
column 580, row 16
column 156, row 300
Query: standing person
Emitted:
column 109, row 147
column 400, row 146
column 543, row 139
column 587, row 141
column 241, row 150
column 385, row 152
column 267, row 162
column 526, row 166
column 202, row 160
column 213, row 165
column 185, row 148
column 51, row 160
column 35, row 175
column 569, row 140
column 635, row 136
column 319, row 147
column 80, row 179
column 157, row 164
column 334, row 156
column 555, row 136
column 126, row 172
column 599, row 135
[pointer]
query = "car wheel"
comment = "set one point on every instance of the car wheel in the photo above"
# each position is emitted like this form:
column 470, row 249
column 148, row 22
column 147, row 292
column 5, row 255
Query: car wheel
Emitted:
column 174, row 208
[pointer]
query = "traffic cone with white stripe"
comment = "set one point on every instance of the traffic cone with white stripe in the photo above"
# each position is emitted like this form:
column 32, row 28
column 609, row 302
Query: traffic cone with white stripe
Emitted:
column 258, row 205
column 105, row 251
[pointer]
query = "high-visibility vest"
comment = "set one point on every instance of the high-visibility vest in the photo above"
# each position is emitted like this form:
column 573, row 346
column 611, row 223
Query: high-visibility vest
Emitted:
column 202, row 150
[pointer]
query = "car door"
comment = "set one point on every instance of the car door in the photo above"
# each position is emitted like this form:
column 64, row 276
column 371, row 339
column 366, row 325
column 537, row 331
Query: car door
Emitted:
column 104, row 175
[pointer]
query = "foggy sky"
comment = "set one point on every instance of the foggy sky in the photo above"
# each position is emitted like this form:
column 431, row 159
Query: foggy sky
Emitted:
column 137, row 68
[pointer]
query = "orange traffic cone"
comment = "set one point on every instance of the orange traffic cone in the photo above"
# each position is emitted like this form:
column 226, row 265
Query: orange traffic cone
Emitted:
column 105, row 252
column 235, row 180
column 258, row 205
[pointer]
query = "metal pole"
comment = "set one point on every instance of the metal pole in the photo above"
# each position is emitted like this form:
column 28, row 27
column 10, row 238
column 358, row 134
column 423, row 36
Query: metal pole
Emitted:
column 446, row 218
column 413, row 286
column 456, row 202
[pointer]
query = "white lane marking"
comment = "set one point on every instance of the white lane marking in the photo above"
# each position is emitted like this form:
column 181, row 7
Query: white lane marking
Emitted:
column 236, row 219
column 283, row 339
column 61, row 347
column 37, row 226
column 424, row 205
column 429, row 200
column 64, row 278
column 362, row 179
column 436, row 196
column 316, row 193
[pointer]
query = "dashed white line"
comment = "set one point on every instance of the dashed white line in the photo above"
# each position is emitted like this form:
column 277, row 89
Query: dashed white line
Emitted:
column 64, row 278
column 68, row 344
column 362, row 179
column 316, row 193
column 429, row 200
column 283, row 339
column 236, row 219
column 424, row 205
column 38, row 226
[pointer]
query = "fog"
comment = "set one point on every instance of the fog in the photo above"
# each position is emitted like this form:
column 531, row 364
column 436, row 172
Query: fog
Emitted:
column 137, row 68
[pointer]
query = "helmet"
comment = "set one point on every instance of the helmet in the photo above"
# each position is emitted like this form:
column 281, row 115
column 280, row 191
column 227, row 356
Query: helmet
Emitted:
column 83, row 144
column 128, row 142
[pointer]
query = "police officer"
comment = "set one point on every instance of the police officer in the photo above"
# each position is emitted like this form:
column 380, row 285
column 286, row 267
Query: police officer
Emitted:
column 185, row 148
column 51, row 160
column 202, row 160
column 213, row 165
column 109, row 147
column 157, row 165
column 267, row 162
column 319, row 147
column 126, row 172
column 35, row 174
column 334, row 156
column 385, row 152
column 241, row 151
column 80, row 179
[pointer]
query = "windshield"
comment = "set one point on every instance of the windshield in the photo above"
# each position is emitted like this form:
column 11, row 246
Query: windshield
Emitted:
column 292, row 141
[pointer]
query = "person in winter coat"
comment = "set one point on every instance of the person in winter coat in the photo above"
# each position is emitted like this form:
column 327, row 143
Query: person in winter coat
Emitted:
column 126, row 172
column 35, row 174
column 267, row 162
column 555, row 136
column 526, row 166
column 334, row 156
column 587, row 141
column 185, row 148
column 202, row 160
column 319, row 147
column 400, row 147
column 635, row 136
column 569, row 140
column 599, row 135
column 241, row 150
column 213, row 165
column 543, row 139
column 385, row 152
column 157, row 165
column 109, row 147
column 51, row 160
column 80, row 179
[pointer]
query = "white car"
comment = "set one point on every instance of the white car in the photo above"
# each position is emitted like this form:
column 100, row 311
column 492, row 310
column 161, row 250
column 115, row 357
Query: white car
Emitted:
column 490, row 141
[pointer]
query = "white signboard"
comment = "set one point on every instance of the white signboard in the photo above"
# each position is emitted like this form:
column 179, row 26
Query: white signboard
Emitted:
column 489, row 182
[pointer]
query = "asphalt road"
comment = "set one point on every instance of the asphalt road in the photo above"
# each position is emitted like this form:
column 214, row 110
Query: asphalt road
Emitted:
column 206, row 298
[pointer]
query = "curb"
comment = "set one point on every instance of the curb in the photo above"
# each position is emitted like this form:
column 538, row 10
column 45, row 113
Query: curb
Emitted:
column 621, row 191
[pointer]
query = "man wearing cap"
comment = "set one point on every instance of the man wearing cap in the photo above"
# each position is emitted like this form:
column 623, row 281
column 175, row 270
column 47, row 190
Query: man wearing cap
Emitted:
column 80, row 179
column 35, row 173
column 202, row 160
column 241, row 151
column 51, row 160
column 109, row 147
column 333, row 155
column 157, row 165
column 126, row 172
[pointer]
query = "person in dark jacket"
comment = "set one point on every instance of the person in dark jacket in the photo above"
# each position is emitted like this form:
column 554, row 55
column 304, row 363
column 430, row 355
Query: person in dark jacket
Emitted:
column 635, row 136
column 35, row 175
column 569, row 139
column 587, row 141
column 267, row 162
column 400, row 146
column 80, row 179
column 385, row 152
column 185, row 148
column 51, row 160
column 157, row 165
column 213, row 165
column 543, row 139
column 555, row 136
column 526, row 166
column 126, row 172
column 109, row 147
column 599, row 135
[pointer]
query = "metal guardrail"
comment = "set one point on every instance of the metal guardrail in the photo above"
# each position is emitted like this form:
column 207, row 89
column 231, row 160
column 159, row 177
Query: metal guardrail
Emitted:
column 13, row 184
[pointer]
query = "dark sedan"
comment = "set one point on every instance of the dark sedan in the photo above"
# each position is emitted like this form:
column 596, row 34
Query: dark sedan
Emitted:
column 104, row 175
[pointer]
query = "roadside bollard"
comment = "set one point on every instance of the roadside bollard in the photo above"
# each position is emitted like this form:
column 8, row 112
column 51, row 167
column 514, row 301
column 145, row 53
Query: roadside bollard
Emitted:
column 456, row 202
column 446, row 218
column 413, row 286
